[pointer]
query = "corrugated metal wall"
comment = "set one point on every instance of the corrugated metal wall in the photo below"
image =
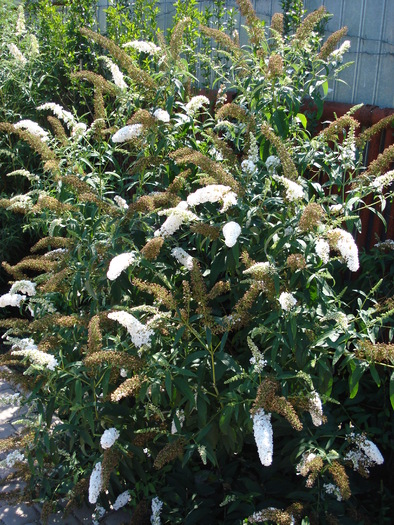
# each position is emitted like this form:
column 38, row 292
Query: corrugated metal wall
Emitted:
column 370, row 30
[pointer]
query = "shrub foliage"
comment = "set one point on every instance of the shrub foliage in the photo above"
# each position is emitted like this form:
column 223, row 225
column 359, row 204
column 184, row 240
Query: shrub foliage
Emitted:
column 199, row 337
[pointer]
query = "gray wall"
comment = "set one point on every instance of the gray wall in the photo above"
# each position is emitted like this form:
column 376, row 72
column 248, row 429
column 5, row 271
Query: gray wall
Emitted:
column 370, row 30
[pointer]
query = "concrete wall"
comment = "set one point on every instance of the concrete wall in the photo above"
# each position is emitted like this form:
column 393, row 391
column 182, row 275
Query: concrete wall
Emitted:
column 370, row 30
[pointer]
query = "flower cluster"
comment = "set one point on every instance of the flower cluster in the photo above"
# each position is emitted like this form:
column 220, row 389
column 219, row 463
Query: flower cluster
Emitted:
column 13, row 457
column 95, row 483
column 231, row 232
column 121, row 202
column 67, row 117
column 11, row 299
column 183, row 257
column 337, row 55
column 17, row 54
column 157, row 505
column 109, row 437
column 20, row 27
column 272, row 163
column 293, row 190
column 195, row 103
column 33, row 128
column 143, row 47
column 162, row 115
column 263, row 435
column 127, row 133
column 382, row 181
column 332, row 489
column 213, row 193
column 365, row 455
column 176, row 217
column 27, row 348
column 322, row 249
column 343, row 241
column 116, row 73
column 140, row 334
column 119, row 263
column 316, row 409
column 287, row 301
column 122, row 500
column 259, row 270
column 10, row 399
column 24, row 287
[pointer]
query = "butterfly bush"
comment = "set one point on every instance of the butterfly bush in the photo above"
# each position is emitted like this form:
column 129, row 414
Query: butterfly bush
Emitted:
column 197, row 324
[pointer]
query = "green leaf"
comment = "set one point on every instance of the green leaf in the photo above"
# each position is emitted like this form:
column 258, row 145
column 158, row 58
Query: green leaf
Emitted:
column 392, row 389
column 225, row 419
column 355, row 377
column 302, row 118
column 168, row 383
column 184, row 388
column 375, row 375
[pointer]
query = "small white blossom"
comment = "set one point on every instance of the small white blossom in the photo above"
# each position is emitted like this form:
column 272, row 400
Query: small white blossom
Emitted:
column 249, row 167
column 258, row 363
column 180, row 414
column 176, row 217
column 109, row 437
column 162, row 115
column 183, row 257
column 337, row 55
column 345, row 244
column 20, row 201
column 388, row 244
column 287, row 301
column 121, row 500
column 336, row 208
column 370, row 450
column 98, row 514
column 332, row 489
column 383, row 180
column 156, row 509
column 20, row 27
column 11, row 299
column 121, row 202
column 119, row 263
column 143, row 47
column 302, row 467
column 266, row 515
column 259, row 270
column 316, row 409
column 195, row 104
column 67, row 117
column 13, row 457
column 293, row 190
column 33, row 128
column 213, row 193
column 34, row 45
column 95, row 483
column 272, row 163
column 263, row 435
column 231, row 232
column 79, row 129
column 27, row 348
column 116, row 73
column 127, row 133
column 24, row 287
column 17, row 54
column 322, row 249
column 140, row 334
column 10, row 399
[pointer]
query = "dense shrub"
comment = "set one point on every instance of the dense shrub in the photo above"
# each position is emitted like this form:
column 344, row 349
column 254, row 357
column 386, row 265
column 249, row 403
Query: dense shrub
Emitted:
column 200, row 340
